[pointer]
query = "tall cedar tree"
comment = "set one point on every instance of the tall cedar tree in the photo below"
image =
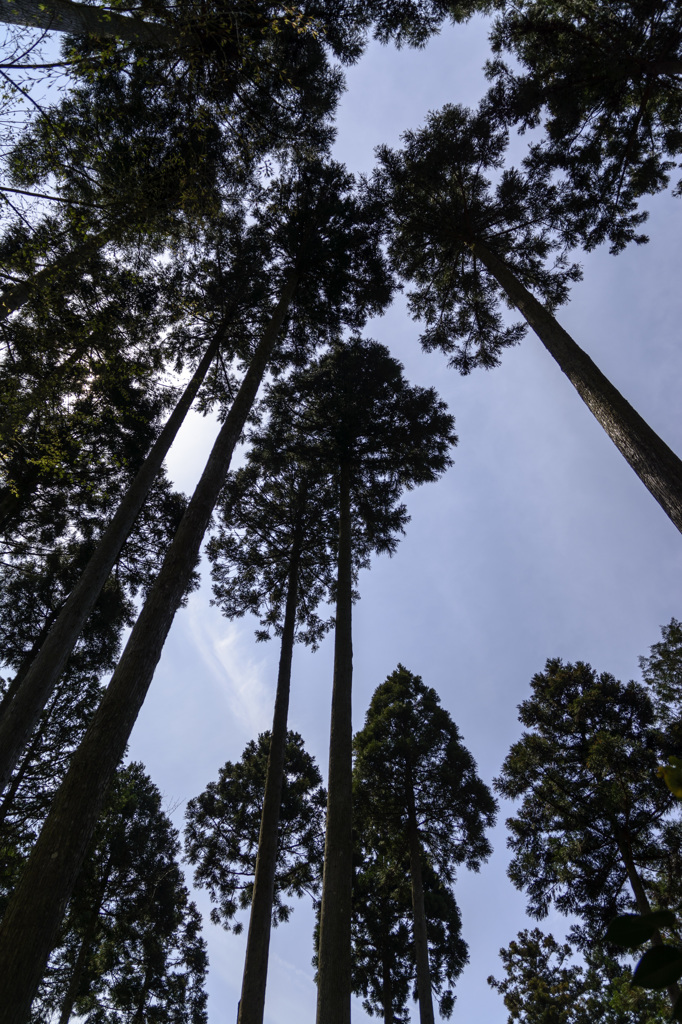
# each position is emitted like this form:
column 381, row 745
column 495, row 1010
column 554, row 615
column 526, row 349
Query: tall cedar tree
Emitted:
column 274, row 558
column 605, row 81
column 542, row 985
column 357, row 419
column 597, row 833
column 419, row 788
column 383, row 960
column 242, row 254
column 223, row 826
column 465, row 244
column 326, row 244
column 130, row 946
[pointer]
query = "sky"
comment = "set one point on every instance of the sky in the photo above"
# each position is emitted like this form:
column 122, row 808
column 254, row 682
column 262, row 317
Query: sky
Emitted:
column 539, row 542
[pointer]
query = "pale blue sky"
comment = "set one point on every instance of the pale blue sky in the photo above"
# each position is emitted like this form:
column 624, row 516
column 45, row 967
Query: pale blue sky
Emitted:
column 539, row 542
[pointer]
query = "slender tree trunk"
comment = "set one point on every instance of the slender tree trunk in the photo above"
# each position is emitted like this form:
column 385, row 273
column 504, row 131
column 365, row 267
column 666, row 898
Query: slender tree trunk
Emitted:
column 32, row 918
column 83, row 19
column 22, row 714
column 252, row 1002
column 657, row 466
column 84, row 950
column 334, row 958
column 641, row 898
column 421, row 948
column 16, row 780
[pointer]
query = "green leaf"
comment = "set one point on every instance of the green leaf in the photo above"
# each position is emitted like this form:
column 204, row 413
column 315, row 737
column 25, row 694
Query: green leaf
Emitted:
column 658, row 967
column 632, row 930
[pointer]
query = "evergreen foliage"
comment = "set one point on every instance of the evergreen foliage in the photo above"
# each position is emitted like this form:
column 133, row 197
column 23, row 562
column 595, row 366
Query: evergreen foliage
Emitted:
column 223, row 825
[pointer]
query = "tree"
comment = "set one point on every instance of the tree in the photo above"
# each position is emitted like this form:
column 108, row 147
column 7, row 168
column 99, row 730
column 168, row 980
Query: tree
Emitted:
column 337, row 215
column 543, row 986
column 357, row 419
column 462, row 244
column 273, row 557
column 130, row 946
column 596, row 833
column 383, row 967
column 422, row 792
column 604, row 80
column 223, row 826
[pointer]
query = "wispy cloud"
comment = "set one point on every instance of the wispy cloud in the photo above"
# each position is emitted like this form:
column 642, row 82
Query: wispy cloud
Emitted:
column 244, row 682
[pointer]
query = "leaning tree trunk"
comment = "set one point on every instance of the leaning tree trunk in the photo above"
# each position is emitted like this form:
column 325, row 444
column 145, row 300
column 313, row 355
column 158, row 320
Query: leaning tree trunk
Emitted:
column 252, row 1002
column 657, row 466
column 85, row 949
column 641, row 898
column 421, row 948
column 21, row 715
column 387, row 990
column 84, row 19
column 35, row 911
column 334, row 956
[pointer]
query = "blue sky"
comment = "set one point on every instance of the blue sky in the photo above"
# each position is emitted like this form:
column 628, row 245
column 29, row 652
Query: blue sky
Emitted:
column 539, row 542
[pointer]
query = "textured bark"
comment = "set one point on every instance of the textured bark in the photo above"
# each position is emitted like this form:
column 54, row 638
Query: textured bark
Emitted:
column 32, row 918
column 657, row 466
column 252, row 1002
column 641, row 898
column 421, row 948
column 334, row 958
column 84, row 19
column 22, row 714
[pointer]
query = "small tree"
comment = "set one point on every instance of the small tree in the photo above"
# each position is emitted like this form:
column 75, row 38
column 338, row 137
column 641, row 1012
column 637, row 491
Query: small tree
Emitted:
column 597, row 833
column 542, row 985
column 420, row 790
column 223, row 828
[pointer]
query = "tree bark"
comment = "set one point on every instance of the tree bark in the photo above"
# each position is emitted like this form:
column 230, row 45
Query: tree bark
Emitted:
column 23, row 712
column 421, row 948
column 641, row 898
column 334, row 958
column 657, row 466
column 13, row 687
column 33, row 915
column 84, row 19
column 252, row 1002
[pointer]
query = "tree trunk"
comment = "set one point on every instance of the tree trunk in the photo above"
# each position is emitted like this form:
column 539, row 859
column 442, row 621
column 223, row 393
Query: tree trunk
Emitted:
column 421, row 948
column 22, row 714
column 84, row 950
column 334, row 958
column 84, row 19
column 641, row 898
column 252, row 1002
column 33, row 915
column 657, row 466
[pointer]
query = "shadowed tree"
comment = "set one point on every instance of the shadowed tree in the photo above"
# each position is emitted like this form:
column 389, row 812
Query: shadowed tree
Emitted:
column 355, row 416
column 465, row 244
column 130, row 946
column 328, row 216
column 597, row 833
column 605, row 81
column 417, row 787
column 223, row 826
column 543, row 986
